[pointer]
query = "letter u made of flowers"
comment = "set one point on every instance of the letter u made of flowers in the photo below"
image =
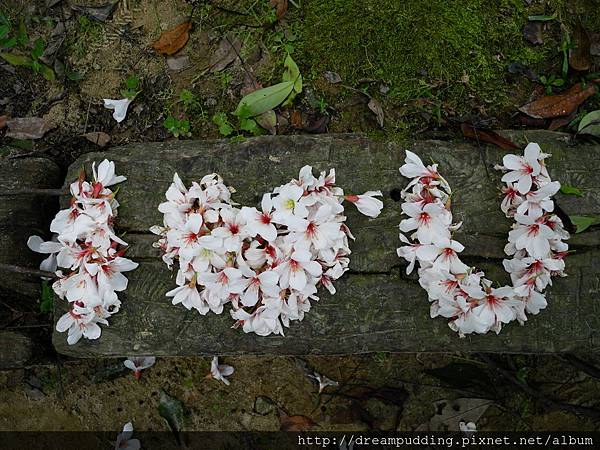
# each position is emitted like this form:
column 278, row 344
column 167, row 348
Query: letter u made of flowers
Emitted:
column 535, row 244
column 90, row 254
column 268, row 261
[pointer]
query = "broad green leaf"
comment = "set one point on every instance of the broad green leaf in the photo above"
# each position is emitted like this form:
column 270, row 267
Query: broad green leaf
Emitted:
column 570, row 190
column 4, row 29
column 38, row 48
column 292, row 73
column 264, row 99
column 22, row 37
column 8, row 43
column 47, row 72
column 590, row 124
column 540, row 18
column 582, row 223
column 16, row 60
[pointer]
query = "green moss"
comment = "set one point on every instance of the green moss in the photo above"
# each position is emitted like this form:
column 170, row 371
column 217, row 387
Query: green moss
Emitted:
column 450, row 49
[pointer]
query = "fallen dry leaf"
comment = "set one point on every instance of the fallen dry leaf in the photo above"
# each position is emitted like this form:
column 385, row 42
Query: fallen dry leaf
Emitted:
column 489, row 136
column 99, row 13
column 579, row 56
column 268, row 120
column 178, row 63
column 376, row 108
column 551, row 106
column 561, row 121
column 100, row 138
column 295, row 423
column 296, row 120
column 281, row 7
column 227, row 52
column 26, row 128
column 332, row 77
column 3, row 120
column 173, row 40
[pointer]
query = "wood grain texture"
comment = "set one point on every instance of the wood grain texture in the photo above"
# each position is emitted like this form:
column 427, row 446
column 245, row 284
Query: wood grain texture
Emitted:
column 22, row 215
column 15, row 350
column 377, row 307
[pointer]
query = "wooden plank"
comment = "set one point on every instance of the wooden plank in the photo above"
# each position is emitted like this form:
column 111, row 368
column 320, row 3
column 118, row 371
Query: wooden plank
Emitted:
column 15, row 350
column 23, row 212
column 377, row 307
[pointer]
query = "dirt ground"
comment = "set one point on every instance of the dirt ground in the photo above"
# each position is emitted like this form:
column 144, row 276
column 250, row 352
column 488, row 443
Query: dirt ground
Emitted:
column 417, row 69
column 375, row 392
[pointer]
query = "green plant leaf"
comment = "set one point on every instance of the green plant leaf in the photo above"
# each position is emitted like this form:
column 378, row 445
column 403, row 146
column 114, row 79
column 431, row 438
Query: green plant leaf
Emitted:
column 46, row 298
column 540, row 18
column 582, row 223
column 171, row 409
column 38, row 48
column 251, row 126
column 590, row 124
column 292, row 73
column 220, row 119
column 22, row 37
column 16, row 60
column 264, row 99
column 8, row 42
column 47, row 72
column 570, row 190
column 4, row 29
column 132, row 82
column 170, row 123
column 73, row 75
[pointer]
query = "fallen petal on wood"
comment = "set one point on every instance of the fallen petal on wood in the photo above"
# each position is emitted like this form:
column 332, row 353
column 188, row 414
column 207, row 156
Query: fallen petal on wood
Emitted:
column 27, row 128
column 173, row 40
column 563, row 104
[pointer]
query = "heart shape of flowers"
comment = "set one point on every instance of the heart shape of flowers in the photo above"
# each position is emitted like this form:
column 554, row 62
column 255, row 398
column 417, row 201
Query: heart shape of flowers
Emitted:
column 267, row 262
column 462, row 293
column 86, row 247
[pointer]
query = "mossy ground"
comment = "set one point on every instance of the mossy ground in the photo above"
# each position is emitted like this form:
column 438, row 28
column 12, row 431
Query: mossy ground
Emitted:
column 431, row 64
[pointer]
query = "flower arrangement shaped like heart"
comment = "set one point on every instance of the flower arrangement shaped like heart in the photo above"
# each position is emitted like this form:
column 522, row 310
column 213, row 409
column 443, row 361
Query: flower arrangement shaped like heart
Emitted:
column 85, row 244
column 462, row 293
column 266, row 262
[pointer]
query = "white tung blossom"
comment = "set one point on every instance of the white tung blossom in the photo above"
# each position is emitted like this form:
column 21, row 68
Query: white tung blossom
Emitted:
column 459, row 292
column 86, row 247
column 268, row 262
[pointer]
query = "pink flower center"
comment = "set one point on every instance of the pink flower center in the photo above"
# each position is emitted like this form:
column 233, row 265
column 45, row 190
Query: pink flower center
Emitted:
column 265, row 219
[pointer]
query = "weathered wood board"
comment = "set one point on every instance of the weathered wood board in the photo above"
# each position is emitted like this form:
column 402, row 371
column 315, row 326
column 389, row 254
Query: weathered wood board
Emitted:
column 23, row 214
column 377, row 307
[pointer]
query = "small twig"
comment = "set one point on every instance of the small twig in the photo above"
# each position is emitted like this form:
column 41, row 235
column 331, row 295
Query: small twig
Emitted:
column 34, row 191
column 548, row 402
column 26, row 271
